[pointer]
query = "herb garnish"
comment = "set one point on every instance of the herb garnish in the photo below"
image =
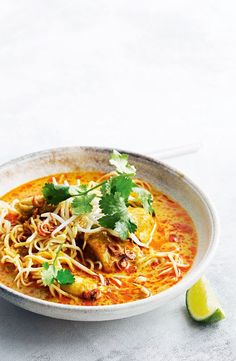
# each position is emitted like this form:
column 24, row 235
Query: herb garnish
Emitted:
column 51, row 273
column 113, row 201
column 120, row 161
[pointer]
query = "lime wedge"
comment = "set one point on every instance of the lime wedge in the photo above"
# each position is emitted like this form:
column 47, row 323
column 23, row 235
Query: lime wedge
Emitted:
column 202, row 304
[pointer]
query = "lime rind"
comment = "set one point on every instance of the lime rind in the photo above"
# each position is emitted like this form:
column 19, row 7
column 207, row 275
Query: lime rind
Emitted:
column 202, row 303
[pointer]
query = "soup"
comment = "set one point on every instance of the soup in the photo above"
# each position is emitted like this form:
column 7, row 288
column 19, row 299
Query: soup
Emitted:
column 89, row 238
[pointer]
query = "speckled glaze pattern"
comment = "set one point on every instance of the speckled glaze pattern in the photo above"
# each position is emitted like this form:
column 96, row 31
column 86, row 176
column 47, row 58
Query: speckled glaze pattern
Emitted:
column 165, row 178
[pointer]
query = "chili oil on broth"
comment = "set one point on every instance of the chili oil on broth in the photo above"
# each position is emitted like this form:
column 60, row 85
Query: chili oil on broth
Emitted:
column 174, row 231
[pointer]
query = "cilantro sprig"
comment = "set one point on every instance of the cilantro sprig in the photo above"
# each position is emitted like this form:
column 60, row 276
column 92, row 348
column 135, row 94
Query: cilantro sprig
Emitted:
column 82, row 204
column 55, row 194
column 120, row 161
column 113, row 201
column 145, row 198
column 50, row 273
column 116, row 215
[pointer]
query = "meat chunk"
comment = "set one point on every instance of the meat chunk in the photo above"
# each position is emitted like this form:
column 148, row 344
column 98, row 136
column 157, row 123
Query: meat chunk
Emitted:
column 97, row 247
column 83, row 287
column 144, row 222
column 113, row 253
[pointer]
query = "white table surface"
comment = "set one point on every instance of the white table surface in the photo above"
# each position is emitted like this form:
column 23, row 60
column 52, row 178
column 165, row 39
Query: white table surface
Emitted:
column 138, row 75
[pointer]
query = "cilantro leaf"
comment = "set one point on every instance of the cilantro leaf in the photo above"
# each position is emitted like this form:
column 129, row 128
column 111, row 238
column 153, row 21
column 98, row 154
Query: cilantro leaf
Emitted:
column 109, row 221
column 116, row 215
column 106, row 187
column 45, row 265
column 82, row 204
column 124, row 227
column 121, row 184
column 146, row 198
column 112, row 204
column 120, row 161
column 48, row 274
column 65, row 277
column 55, row 194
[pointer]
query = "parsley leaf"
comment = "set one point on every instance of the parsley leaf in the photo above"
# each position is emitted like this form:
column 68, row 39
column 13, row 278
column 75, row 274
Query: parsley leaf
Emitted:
column 55, row 194
column 65, row 277
column 116, row 215
column 120, row 161
column 145, row 198
column 82, row 204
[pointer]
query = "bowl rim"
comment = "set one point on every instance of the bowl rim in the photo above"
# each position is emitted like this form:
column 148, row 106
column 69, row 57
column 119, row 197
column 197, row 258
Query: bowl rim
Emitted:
column 169, row 293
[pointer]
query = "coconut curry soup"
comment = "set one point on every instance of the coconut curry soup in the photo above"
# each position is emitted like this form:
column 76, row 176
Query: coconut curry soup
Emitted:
column 89, row 238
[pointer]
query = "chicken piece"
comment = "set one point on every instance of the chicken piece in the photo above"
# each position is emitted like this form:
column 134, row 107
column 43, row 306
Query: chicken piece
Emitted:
column 83, row 287
column 113, row 253
column 144, row 222
column 97, row 246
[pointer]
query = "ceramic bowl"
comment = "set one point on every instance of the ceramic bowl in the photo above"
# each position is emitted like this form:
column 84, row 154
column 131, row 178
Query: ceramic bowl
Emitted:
column 168, row 180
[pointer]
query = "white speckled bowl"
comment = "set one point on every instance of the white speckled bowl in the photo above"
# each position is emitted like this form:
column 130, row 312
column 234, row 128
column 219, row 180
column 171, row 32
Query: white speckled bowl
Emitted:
column 165, row 178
